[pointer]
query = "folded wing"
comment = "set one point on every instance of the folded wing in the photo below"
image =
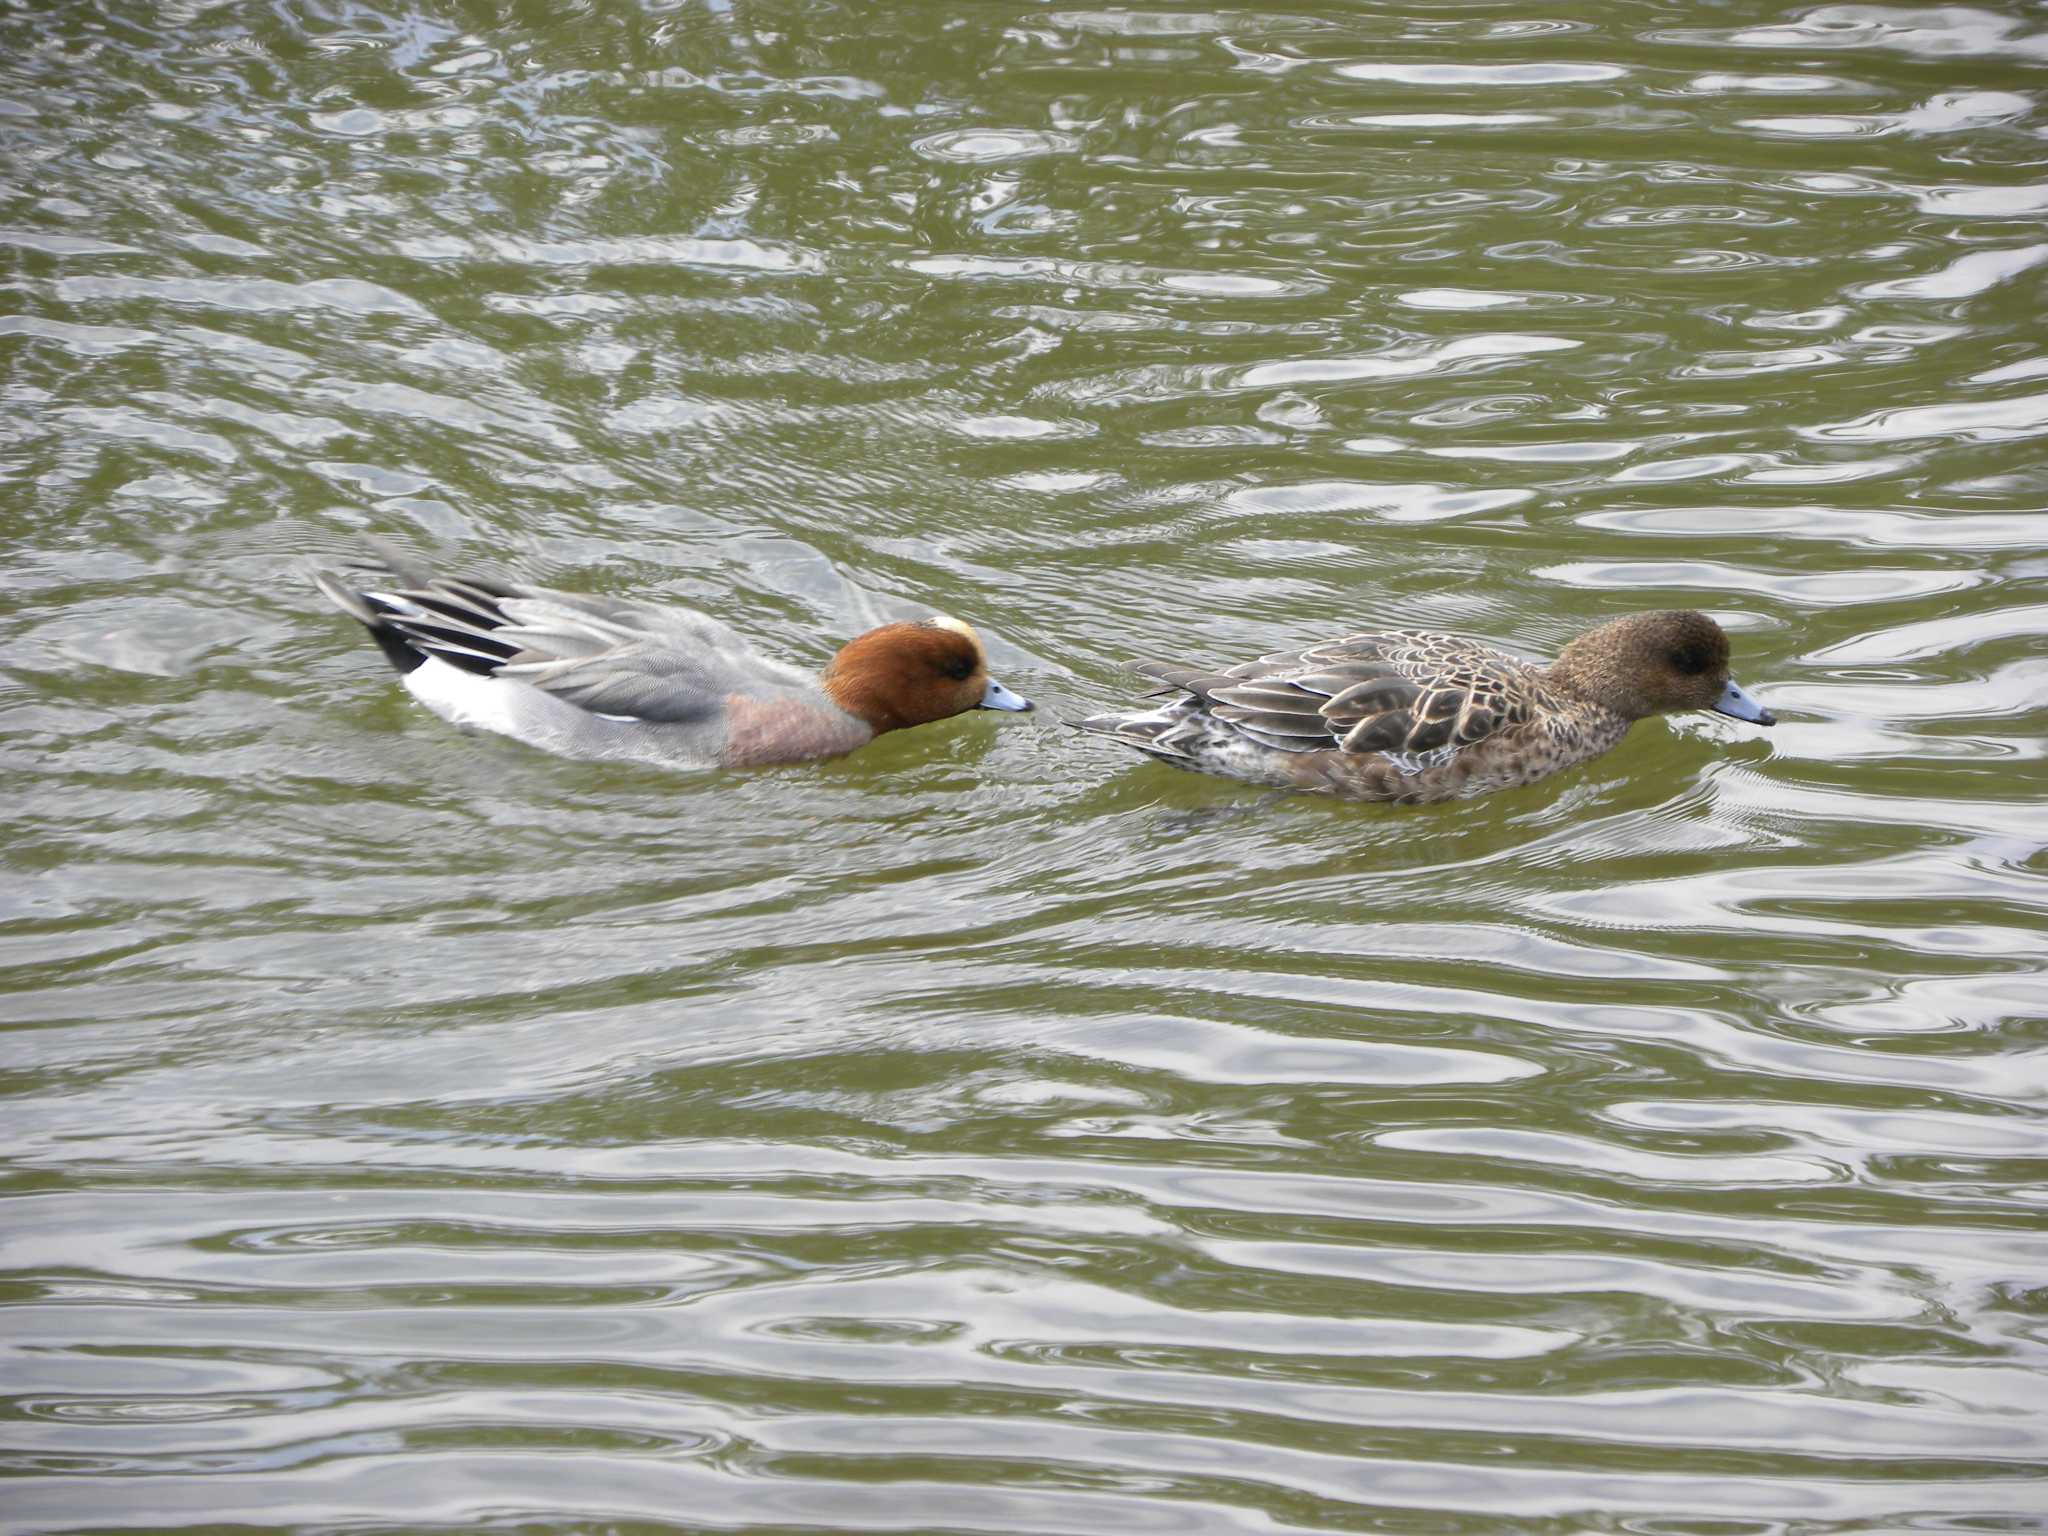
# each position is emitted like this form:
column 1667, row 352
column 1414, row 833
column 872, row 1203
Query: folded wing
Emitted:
column 1389, row 691
column 606, row 655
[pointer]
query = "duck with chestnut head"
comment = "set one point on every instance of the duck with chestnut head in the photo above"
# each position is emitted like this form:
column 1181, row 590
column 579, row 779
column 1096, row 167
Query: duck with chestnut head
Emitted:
column 1411, row 717
column 602, row 677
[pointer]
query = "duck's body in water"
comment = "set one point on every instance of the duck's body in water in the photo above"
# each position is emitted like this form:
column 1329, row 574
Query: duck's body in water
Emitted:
column 1410, row 717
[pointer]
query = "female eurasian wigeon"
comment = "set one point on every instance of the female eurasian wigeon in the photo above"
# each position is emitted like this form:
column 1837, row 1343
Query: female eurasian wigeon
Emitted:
column 1411, row 717
column 608, row 678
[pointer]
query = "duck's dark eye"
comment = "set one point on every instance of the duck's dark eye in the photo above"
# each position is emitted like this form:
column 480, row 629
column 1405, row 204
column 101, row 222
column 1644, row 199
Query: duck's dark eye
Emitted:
column 1691, row 660
column 959, row 669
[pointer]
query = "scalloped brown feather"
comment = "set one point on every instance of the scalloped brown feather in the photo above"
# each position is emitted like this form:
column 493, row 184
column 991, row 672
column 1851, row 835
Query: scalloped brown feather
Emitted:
column 1398, row 691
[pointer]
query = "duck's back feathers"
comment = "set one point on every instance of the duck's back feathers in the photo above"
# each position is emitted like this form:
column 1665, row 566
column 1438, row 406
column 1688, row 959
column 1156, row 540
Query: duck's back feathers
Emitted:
column 1391, row 691
column 606, row 656
column 1389, row 715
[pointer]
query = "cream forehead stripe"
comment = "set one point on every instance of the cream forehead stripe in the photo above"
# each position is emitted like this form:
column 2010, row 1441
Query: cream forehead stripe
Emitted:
column 959, row 626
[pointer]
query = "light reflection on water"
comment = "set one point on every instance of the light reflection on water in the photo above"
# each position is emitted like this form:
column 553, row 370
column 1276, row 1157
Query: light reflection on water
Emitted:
column 990, row 1132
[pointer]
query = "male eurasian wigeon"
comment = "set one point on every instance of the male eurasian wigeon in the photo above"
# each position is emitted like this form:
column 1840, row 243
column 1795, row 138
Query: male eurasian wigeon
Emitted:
column 1411, row 717
column 606, row 677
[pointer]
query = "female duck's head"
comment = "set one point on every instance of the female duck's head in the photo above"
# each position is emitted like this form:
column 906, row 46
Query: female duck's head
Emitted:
column 1654, row 664
column 913, row 673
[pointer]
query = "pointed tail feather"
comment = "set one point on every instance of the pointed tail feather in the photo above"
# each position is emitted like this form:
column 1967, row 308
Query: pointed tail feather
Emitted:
column 1149, row 733
column 414, row 615
column 339, row 589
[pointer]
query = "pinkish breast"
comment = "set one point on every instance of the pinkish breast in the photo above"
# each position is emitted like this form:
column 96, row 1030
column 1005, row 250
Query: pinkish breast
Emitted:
column 786, row 731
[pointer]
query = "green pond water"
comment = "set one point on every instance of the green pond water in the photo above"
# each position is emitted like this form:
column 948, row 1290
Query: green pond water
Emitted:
column 406, row 1131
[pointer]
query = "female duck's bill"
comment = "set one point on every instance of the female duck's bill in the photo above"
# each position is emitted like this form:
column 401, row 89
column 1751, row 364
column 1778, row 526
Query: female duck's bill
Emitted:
column 1738, row 701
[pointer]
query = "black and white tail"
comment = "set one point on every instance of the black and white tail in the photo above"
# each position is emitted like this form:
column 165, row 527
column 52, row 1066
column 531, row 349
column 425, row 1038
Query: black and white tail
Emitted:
column 414, row 616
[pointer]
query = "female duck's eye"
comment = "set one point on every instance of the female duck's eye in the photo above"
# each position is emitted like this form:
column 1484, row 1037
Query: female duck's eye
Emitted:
column 1692, row 660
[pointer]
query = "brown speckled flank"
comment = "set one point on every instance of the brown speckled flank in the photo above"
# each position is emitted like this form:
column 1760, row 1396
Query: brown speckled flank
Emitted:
column 1410, row 717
